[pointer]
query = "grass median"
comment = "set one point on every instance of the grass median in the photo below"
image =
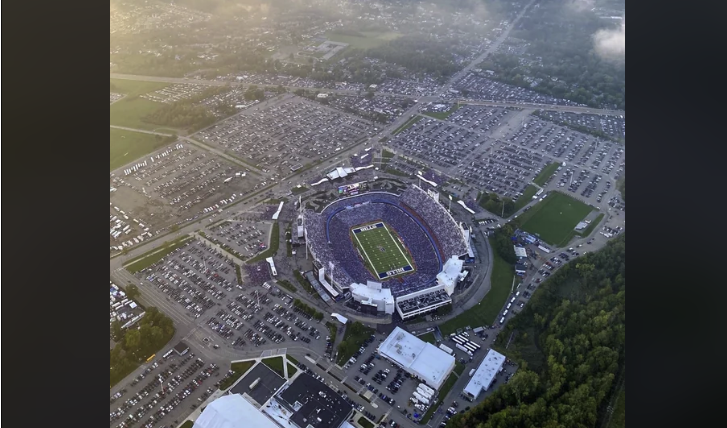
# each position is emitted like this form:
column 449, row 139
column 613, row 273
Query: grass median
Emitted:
column 238, row 369
column 486, row 312
column 545, row 174
column 428, row 337
column 151, row 257
column 274, row 244
column 275, row 364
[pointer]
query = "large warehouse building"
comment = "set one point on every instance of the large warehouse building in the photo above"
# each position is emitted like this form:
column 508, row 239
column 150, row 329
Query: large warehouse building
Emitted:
column 419, row 358
column 485, row 374
column 233, row 411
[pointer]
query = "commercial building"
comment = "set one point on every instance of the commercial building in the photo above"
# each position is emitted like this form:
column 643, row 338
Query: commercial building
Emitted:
column 181, row 348
column 313, row 404
column 419, row 358
column 232, row 411
column 485, row 374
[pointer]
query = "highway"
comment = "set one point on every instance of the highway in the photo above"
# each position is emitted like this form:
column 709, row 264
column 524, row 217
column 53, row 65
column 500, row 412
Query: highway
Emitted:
column 195, row 330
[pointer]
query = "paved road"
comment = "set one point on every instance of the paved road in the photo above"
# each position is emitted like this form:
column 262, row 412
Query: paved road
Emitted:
column 194, row 330
column 491, row 49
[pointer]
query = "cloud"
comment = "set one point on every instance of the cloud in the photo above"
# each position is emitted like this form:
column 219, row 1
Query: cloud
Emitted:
column 610, row 44
column 580, row 5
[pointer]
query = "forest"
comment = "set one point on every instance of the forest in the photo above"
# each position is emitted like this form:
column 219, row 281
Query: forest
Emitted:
column 133, row 346
column 570, row 344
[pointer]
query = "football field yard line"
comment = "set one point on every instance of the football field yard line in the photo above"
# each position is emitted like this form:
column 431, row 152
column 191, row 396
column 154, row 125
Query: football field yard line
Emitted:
column 364, row 250
column 396, row 242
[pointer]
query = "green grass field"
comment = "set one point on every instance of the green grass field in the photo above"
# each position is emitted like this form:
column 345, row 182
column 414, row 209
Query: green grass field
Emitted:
column 555, row 218
column 408, row 124
column 149, row 258
column 367, row 40
column 275, row 364
column 128, row 146
column 486, row 312
column 129, row 111
column 382, row 251
column 429, row 338
column 365, row 423
column 135, row 87
column 443, row 115
column 239, row 369
column 545, row 174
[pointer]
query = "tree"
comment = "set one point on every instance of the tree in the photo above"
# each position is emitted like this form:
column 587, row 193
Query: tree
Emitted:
column 132, row 291
column 116, row 331
column 132, row 341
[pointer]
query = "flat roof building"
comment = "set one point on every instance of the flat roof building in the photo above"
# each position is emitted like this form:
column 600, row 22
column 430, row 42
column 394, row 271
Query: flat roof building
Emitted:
column 485, row 374
column 181, row 348
column 419, row 358
column 313, row 404
column 232, row 411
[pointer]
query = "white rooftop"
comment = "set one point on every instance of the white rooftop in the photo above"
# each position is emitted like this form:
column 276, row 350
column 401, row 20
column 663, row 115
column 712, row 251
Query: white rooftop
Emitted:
column 232, row 411
column 371, row 291
column 449, row 275
column 340, row 172
column 423, row 359
column 520, row 252
column 482, row 379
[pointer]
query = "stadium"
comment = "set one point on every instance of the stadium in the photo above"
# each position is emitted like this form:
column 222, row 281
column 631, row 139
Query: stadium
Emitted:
column 404, row 242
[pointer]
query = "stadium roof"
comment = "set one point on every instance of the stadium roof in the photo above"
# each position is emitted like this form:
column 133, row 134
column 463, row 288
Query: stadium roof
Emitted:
column 340, row 172
column 449, row 275
column 423, row 359
column 372, row 291
column 232, row 411
column 482, row 379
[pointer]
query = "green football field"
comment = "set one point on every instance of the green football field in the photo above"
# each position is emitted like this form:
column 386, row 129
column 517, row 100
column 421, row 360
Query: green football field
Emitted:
column 555, row 218
column 382, row 251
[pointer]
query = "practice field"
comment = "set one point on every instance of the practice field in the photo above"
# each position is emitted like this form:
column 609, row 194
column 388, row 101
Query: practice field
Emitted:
column 555, row 218
column 135, row 87
column 128, row 146
column 129, row 111
column 383, row 252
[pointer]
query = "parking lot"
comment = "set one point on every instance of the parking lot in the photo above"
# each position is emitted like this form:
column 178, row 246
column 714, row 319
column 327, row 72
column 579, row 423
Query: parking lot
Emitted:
column 612, row 126
column 285, row 133
column 502, row 150
column 480, row 87
column 241, row 316
column 173, row 185
column 244, row 238
column 373, row 108
column 464, row 147
column 164, row 392
column 175, row 93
